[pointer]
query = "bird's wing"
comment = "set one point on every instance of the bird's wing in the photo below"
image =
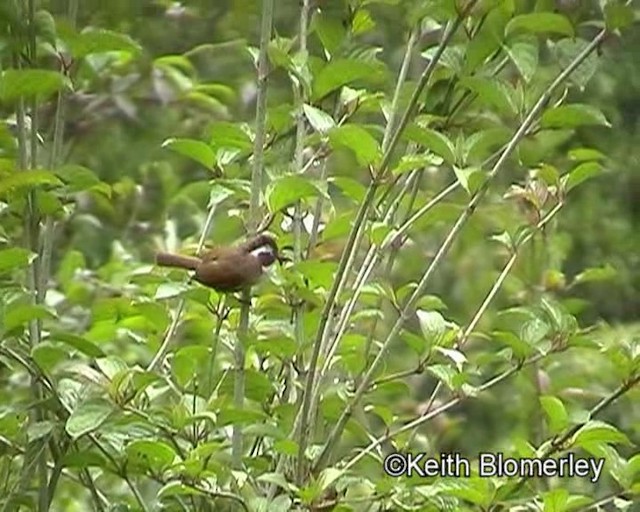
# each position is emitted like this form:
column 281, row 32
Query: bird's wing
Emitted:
column 211, row 254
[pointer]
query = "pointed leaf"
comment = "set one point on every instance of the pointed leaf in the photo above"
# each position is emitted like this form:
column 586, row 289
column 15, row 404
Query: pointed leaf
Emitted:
column 95, row 40
column 30, row 83
column 432, row 140
column 358, row 140
column 14, row 257
column 341, row 72
column 572, row 116
column 88, row 417
column 28, row 179
column 194, row 149
column 286, row 190
column 321, row 121
column 581, row 173
column 539, row 22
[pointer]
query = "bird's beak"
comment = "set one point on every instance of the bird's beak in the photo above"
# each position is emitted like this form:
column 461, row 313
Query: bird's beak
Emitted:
column 282, row 258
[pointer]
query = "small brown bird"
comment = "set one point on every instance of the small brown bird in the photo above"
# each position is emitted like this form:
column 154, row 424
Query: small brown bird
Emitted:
column 227, row 269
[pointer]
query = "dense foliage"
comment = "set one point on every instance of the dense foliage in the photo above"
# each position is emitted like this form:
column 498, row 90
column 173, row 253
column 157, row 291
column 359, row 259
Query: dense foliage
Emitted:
column 454, row 184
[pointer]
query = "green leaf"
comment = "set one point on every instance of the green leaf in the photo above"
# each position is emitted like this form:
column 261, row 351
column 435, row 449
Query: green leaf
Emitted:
column 444, row 373
column 358, row 140
column 378, row 232
column 178, row 489
column 45, row 26
column 362, row 22
column 492, row 92
column 417, row 161
column 432, row 325
column 29, row 84
column 318, row 273
column 47, row 355
column 539, row 22
column 286, row 190
column 233, row 416
column 78, row 178
column 534, row 331
column 27, row 179
column 329, row 29
column 580, row 174
column 83, row 460
column 98, row 40
column 88, row 417
column 40, row 430
column 487, row 39
column 187, row 363
column 157, row 456
column 585, row 154
column 598, row 432
column 319, row 120
column 432, row 140
column 170, row 290
column 13, row 258
column 328, row 476
column 481, row 144
column 194, row 149
column 470, row 178
column 605, row 273
column 219, row 193
column 286, row 447
column 618, row 15
column 567, row 50
column 177, row 61
column 275, row 478
column 71, row 262
column 520, row 348
column 457, row 357
column 20, row 314
column 338, row 227
column 452, row 57
column 524, row 56
column 81, row 344
column 341, row 72
column 230, row 135
column 557, row 417
column 572, row 116
column 350, row 187
column 556, row 500
column 548, row 174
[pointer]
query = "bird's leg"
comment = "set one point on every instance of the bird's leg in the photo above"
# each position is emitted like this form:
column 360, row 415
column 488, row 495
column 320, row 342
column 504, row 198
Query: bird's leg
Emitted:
column 242, row 301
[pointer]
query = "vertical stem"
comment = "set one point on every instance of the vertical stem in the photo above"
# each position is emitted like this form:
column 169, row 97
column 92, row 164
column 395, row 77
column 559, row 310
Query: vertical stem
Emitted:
column 46, row 243
column 256, row 190
column 355, row 235
column 32, row 233
column 297, row 224
column 544, row 98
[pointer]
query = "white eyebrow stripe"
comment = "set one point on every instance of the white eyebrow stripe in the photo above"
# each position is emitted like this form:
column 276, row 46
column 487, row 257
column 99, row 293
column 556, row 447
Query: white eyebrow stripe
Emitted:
column 265, row 249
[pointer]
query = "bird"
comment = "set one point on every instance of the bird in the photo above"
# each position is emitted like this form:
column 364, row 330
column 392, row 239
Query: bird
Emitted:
column 227, row 269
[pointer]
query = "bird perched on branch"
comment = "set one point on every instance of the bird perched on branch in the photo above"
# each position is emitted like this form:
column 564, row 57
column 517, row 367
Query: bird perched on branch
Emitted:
column 227, row 268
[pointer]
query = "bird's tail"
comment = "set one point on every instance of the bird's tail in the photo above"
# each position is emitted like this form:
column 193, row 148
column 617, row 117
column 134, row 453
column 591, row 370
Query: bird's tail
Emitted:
column 167, row 259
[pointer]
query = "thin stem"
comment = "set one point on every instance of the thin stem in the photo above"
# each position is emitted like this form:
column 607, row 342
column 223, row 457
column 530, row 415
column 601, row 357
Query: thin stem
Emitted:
column 256, row 191
column 558, row 443
column 402, row 77
column 430, row 414
column 448, row 242
column 173, row 327
column 506, row 270
column 355, row 235
column 298, row 311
